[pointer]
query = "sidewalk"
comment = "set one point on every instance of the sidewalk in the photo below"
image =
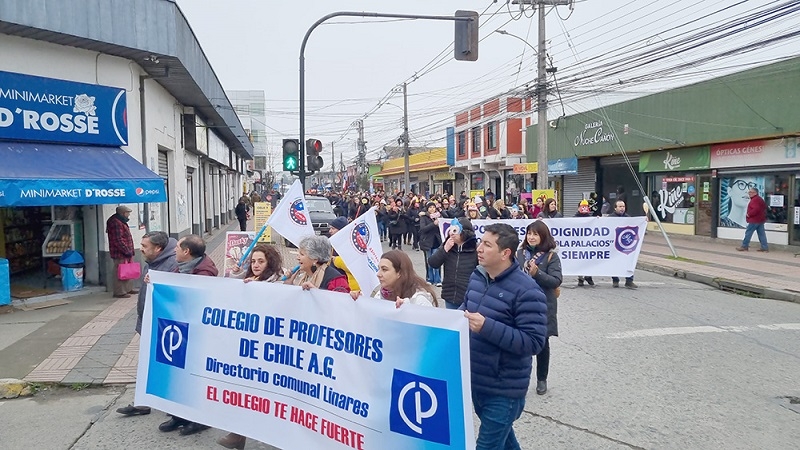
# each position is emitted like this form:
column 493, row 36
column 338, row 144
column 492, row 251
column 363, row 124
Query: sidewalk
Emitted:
column 86, row 347
column 717, row 263
column 92, row 340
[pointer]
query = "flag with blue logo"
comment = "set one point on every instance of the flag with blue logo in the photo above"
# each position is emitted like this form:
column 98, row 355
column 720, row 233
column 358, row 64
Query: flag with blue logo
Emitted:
column 291, row 218
column 359, row 245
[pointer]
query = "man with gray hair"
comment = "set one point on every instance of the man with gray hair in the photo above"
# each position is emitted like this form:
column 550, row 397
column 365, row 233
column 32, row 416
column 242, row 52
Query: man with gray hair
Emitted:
column 158, row 250
column 756, row 218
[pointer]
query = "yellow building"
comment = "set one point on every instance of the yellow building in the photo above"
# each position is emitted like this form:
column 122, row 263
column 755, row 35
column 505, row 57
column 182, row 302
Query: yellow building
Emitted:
column 428, row 173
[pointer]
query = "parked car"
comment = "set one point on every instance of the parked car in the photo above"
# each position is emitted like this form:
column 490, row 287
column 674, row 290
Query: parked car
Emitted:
column 321, row 212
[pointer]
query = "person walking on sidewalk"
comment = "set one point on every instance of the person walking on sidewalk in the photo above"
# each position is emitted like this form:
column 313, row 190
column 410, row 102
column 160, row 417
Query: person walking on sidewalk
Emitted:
column 756, row 218
column 429, row 241
column 190, row 254
column 120, row 248
column 619, row 211
column 158, row 250
column 507, row 315
column 241, row 214
column 537, row 257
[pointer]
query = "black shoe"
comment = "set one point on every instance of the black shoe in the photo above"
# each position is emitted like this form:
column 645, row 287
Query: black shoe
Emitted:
column 630, row 285
column 131, row 410
column 192, row 428
column 173, row 424
column 541, row 387
column 580, row 282
column 615, row 284
column 589, row 281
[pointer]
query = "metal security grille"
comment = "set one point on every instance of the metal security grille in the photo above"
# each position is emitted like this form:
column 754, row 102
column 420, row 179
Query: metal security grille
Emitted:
column 576, row 186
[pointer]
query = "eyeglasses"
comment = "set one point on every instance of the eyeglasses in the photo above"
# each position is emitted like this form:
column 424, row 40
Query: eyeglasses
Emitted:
column 744, row 185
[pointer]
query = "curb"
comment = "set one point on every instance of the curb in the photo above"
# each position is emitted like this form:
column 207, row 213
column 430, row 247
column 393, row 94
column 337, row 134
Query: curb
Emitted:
column 723, row 284
column 13, row 388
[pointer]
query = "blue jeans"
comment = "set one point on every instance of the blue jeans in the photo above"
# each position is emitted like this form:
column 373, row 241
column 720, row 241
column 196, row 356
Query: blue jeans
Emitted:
column 433, row 276
column 497, row 416
column 382, row 229
column 762, row 235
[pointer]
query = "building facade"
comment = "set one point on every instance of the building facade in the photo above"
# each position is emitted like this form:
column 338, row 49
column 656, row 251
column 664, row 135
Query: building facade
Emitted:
column 694, row 151
column 488, row 140
column 428, row 171
column 131, row 105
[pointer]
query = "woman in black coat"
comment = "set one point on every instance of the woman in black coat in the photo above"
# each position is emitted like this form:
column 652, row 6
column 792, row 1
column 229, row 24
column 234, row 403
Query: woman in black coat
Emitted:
column 430, row 240
column 538, row 257
column 459, row 257
column 397, row 225
column 412, row 225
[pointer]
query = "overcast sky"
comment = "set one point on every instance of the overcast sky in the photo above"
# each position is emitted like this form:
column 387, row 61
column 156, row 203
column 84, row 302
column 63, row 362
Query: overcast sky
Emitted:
column 599, row 48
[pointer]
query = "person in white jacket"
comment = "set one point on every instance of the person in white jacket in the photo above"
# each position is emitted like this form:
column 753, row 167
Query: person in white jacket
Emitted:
column 400, row 283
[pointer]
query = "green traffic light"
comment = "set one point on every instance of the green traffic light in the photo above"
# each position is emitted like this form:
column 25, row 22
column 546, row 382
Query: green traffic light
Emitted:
column 290, row 162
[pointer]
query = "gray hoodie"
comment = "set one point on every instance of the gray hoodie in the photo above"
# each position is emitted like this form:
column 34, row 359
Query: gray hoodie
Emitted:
column 164, row 262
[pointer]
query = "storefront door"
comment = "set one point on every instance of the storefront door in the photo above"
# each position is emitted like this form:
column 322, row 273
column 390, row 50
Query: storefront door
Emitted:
column 794, row 238
column 705, row 201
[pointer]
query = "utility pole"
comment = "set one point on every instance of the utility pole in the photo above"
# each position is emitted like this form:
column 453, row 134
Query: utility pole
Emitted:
column 362, row 149
column 406, row 178
column 333, row 166
column 541, row 87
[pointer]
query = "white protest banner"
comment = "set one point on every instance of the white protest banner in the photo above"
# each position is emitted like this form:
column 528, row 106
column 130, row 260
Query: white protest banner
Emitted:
column 593, row 246
column 305, row 369
column 290, row 218
column 359, row 245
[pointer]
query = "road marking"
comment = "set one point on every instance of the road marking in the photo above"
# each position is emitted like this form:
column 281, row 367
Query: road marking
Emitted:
column 673, row 331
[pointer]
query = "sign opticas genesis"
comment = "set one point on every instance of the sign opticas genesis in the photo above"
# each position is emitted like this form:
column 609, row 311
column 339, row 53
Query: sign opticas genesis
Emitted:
column 49, row 110
column 305, row 369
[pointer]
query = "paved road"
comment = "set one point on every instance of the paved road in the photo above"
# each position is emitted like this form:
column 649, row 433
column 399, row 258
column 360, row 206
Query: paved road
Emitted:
column 672, row 365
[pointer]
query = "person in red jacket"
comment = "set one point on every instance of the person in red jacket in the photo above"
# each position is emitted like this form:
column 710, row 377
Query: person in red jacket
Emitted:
column 756, row 218
column 190, row 254
column 120, row 248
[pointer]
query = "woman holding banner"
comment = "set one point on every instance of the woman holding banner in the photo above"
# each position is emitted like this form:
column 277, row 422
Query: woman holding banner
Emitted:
column 538, row 257
column 315, row 271
column 265, row 265
column 400, row 283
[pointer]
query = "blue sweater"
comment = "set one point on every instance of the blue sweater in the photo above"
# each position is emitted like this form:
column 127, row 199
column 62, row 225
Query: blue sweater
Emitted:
column 515, row 309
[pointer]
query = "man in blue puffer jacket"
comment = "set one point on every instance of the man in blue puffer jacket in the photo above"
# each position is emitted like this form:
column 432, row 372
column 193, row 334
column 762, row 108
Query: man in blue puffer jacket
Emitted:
column 507, row 313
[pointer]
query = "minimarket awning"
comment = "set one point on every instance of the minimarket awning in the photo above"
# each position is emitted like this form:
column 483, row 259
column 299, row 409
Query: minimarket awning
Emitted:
column 46, row 174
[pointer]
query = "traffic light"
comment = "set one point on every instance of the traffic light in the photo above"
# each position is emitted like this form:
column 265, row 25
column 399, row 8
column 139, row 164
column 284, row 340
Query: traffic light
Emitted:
column 465, row 46
column 291, row 155
column 314, row 161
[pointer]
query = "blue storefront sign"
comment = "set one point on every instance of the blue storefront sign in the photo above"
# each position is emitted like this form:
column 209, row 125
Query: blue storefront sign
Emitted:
column 48, row 110
column 47, row 174
column 564, row 166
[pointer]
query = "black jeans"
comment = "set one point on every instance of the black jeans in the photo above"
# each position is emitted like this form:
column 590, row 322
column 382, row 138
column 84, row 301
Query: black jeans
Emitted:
column 543, row 361
column 243, row 224
column 395, row 240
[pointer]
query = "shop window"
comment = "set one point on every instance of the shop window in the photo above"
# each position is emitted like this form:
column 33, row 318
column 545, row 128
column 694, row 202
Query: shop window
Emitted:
column 734, row 198
column 674, row 197
column 476, row 140
column 491, row 132
column 476, row 181
column 462, row 143
column 515, row 185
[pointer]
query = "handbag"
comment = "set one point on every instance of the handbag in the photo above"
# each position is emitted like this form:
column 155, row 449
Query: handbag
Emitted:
column 557, row 290
column 129, row 271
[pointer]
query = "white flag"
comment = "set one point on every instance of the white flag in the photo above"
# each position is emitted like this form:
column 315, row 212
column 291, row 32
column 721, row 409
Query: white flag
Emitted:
column 359, row 245
column 291, row 218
